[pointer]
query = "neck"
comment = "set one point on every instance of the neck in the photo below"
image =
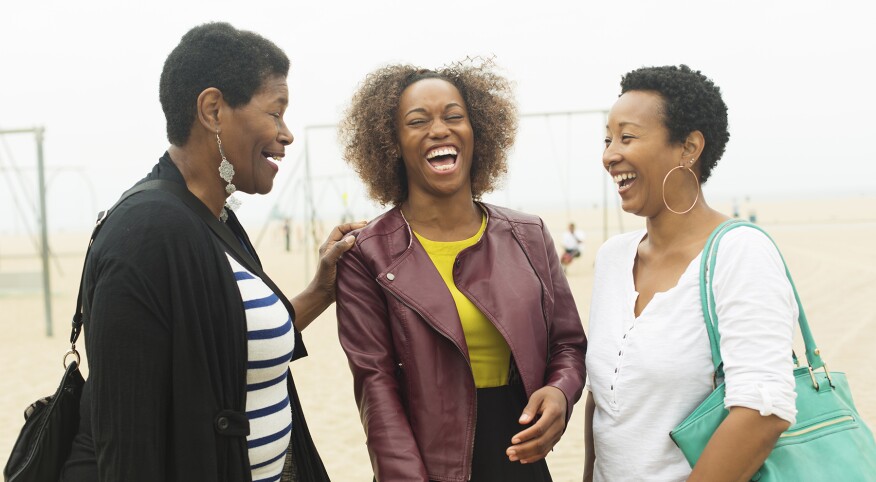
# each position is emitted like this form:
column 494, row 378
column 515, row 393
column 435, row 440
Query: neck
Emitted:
column 200, row 170
column 443, row 219
column 668, row 231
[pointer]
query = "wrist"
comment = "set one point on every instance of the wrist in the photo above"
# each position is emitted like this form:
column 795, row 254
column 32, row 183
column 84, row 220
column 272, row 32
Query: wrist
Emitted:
column 318, row 298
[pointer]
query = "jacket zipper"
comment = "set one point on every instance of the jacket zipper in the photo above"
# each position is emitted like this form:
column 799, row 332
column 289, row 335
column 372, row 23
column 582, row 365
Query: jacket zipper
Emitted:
column 817, row 426
column 474, row 408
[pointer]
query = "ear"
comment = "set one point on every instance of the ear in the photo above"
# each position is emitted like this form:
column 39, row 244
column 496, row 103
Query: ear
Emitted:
column 693, row 147
column 210, row 104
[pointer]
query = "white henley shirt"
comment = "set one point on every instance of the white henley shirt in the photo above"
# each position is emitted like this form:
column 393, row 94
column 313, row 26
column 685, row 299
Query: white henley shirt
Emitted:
column 647, row 374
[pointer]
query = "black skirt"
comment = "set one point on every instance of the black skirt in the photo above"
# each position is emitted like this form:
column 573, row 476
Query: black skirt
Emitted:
column 499, row 408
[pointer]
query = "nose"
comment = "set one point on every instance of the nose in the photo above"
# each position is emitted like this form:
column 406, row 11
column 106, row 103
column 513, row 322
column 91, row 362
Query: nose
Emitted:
column 610, row 156
column 439, row 129
column 284, row 135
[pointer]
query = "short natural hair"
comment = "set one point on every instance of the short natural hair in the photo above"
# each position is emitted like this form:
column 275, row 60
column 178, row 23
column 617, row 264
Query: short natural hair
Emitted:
column 370, row 139
column 237, row 62
column 691, row 102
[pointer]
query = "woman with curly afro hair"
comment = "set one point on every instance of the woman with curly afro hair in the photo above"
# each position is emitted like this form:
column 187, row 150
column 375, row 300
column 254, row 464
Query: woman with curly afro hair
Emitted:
column 650, row 362
column 464, row 341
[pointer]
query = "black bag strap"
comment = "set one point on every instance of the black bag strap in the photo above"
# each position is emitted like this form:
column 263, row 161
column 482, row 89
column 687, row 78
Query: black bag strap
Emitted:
column 101, row 217
column 220, row 229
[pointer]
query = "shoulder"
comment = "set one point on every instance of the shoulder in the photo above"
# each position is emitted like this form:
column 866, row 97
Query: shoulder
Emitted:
column 748, row 244
column 621, row 244
column 511, row 216
column 151, row 221
column 390, row 223
column 381, row 241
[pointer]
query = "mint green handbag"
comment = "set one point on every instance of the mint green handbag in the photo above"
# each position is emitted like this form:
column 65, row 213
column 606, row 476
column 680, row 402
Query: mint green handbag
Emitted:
column 829, row 442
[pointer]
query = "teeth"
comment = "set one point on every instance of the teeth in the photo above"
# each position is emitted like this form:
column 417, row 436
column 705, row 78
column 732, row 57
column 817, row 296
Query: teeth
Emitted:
column 623, row 177
column 444, row 168
column 441, row 151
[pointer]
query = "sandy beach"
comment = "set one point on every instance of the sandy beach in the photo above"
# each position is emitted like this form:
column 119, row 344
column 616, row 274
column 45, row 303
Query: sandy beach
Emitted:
column 825, row 243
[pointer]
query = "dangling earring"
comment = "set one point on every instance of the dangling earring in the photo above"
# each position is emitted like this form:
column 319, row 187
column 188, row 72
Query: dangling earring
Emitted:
column 226, row 172
column 696, row 181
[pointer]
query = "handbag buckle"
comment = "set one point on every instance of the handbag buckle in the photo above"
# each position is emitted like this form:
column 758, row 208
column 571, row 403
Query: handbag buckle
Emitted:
column 827, row 373
column 812, row 376
column 75, row 354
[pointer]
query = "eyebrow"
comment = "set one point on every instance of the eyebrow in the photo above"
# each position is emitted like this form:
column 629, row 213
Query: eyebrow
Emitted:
column 423, row 111
column 624, row 123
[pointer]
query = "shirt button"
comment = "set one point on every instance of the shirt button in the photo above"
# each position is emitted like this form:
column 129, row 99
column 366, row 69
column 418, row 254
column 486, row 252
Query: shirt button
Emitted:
column 615, row 370
column 390, row 276
column 620, row 353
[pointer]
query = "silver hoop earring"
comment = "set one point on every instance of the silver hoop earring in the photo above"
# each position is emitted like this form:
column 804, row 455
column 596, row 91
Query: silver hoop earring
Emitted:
column 696, row 181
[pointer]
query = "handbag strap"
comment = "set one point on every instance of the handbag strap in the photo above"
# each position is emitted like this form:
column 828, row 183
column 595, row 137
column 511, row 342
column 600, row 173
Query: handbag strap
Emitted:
column 707, row 297
column 221, row 230
column 101, row 218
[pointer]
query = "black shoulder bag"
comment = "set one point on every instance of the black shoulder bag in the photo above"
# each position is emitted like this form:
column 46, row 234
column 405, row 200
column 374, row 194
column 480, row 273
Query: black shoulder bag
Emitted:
column 51, row 422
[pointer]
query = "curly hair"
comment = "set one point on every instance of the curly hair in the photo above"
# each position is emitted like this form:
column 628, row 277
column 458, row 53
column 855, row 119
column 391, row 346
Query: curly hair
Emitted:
column 370, row 139
column 691, row 102
column 218, row 55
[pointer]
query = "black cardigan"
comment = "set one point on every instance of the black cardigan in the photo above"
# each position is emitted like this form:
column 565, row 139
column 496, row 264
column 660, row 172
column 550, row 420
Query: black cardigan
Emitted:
column 165, row 333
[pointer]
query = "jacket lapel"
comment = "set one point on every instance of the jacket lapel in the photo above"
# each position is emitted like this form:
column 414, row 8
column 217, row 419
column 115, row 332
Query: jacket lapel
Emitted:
column 414, row 280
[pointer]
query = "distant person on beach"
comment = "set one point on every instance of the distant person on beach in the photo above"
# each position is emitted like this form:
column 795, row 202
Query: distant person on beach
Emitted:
column 188, row 347
column 649, row 360
column 572, row 243
column 464, row 341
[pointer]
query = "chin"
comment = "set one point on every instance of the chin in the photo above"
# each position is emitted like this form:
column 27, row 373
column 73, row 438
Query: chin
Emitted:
column 264, row 187
column 627, row 207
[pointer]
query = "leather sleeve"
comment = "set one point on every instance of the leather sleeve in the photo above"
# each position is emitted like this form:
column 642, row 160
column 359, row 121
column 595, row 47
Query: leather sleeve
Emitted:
column 568, row 344
column 366, row 337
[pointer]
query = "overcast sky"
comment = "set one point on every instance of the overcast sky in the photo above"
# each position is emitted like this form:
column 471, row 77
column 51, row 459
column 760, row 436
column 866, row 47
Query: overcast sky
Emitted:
column 798, row 77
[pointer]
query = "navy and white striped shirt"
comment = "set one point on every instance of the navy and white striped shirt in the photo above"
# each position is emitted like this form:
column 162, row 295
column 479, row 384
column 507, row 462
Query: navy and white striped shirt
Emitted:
column 270, row 341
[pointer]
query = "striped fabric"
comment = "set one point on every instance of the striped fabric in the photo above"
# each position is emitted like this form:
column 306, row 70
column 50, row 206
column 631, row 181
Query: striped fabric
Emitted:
column 270, row 340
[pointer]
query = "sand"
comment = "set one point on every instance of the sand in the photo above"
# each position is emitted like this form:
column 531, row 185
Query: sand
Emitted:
column 827, row 244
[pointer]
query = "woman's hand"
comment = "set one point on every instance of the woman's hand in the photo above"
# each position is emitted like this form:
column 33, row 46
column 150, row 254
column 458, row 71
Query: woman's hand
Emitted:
column 330, row 252
column 534, row 443
column 320, row 293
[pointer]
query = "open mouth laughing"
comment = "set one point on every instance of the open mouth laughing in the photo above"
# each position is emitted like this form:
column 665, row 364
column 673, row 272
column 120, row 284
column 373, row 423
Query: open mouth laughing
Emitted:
column 624, row 180
column 442, row 158
column 273, row 156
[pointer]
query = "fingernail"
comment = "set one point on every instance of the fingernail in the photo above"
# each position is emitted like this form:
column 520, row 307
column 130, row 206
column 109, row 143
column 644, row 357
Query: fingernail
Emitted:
column 349, row 239
column 515, row 441
column 524, row 418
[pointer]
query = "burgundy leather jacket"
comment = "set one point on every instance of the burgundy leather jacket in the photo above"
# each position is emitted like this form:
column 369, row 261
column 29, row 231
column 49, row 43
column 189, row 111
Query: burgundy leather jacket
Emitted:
column 400, row 329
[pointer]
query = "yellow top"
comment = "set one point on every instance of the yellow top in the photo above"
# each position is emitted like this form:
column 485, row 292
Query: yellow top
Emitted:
column 489, row 353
